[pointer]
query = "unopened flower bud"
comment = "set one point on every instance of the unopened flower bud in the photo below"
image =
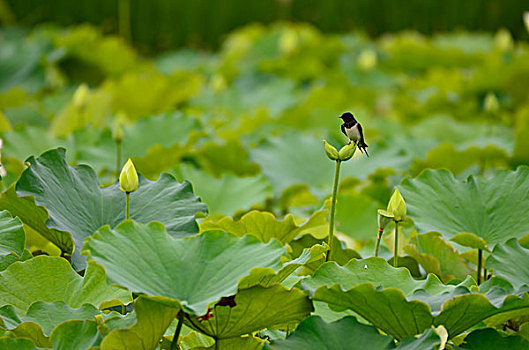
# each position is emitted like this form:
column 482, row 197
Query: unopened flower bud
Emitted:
column 128, row 179
column 491, row 103
column 384, row 219
column 80, row 96
column 526, row 20
column 347, row 151
column 367, row 60
column 331, row 152
column 397, row 206
column 117, row 133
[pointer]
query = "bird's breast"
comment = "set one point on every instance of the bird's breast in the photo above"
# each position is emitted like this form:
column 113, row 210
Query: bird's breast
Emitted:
column 353, row 133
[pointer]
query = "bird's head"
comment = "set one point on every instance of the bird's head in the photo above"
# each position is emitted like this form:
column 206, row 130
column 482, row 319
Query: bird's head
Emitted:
column 347, row 117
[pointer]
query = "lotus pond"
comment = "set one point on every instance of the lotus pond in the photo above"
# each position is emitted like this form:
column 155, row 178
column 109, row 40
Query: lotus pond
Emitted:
column 237, row 237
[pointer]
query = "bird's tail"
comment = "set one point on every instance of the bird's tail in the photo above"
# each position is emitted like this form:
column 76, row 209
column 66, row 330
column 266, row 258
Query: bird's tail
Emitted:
column 363, row 148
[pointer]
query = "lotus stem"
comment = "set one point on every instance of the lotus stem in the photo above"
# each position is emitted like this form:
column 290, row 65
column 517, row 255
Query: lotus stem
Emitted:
column 379, row 237
column 396, row 249
column 480, row 256
column 174, row 343
column 333, row 209
column 127, row 205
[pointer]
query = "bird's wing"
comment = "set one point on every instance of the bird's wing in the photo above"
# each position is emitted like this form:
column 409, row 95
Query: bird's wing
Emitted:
column 361, row 132
column 343, row 130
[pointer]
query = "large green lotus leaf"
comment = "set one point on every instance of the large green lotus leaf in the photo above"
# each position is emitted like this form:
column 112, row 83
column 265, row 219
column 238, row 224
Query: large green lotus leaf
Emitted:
column 34, row 217
column 464, row 311
column 489, row 207
column 386, row 309
column 266, row 277
column 75, row 335
column 47, row 315
column 228, row 194
column 426, row 341
column 292, row 159
column 21, row 62
column 164, row 130
column 12, row 238
column 437, row 257
column 246, row 343
column 227, row 157
column 195, row 270
column 265, row 226
column 21, row 284
column 152, row 319
column 491, row 339
column 356, row 216
column 254, row 309
column 446, row 156
column 16, row 344
column 379, row 273
column 76, row 204
column 28, row 140
column 346, row 334
column 510, row 261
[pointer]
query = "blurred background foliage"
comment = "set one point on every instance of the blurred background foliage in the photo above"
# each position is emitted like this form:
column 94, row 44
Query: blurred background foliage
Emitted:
column 168, row 24
column 244, row 121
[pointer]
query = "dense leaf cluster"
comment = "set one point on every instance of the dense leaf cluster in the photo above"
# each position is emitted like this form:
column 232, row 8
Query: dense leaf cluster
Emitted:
column 228, row 227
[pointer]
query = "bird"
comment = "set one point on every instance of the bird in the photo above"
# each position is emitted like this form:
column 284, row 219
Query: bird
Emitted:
column 353, row 130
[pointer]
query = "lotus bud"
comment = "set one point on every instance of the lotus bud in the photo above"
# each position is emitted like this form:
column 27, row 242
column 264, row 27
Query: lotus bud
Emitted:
column 367, row 60
column 526, row 20
column 80, row 96
column 117, row 133
column 397, row 206
column 331, row 152
column 288, row 41
column 384, row 219
column 347, row 151
column 128, row 179
column 491, row 103
column 218, row 83
column 503, row 40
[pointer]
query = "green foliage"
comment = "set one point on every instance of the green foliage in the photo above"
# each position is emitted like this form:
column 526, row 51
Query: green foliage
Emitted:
column 196, row 271
column 242, row 130
column 86, row 206
column 489, row 207
column 22, row 284
column 314, row 333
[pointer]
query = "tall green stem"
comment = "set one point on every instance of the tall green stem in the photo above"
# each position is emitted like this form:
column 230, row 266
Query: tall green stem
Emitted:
column 174, row 343
column 127, row 205
column 118, row 160
column 333, row 208
column 396, row 249
column 379, row 237
column 480, row 256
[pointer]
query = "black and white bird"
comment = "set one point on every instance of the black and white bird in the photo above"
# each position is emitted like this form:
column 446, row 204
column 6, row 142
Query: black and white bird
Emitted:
column 353, row 130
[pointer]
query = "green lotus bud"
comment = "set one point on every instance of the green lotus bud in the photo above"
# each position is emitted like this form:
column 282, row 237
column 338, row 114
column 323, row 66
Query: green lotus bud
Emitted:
column 331, row 152
column 80, row 96
column 526, row 20
column 288, row 41
column 117, row 133
column 128, row 179
column 491, row 103
column 503, row 40
column 397, row 206
column 384, row 218
column 347, row 151
column 367, row 60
